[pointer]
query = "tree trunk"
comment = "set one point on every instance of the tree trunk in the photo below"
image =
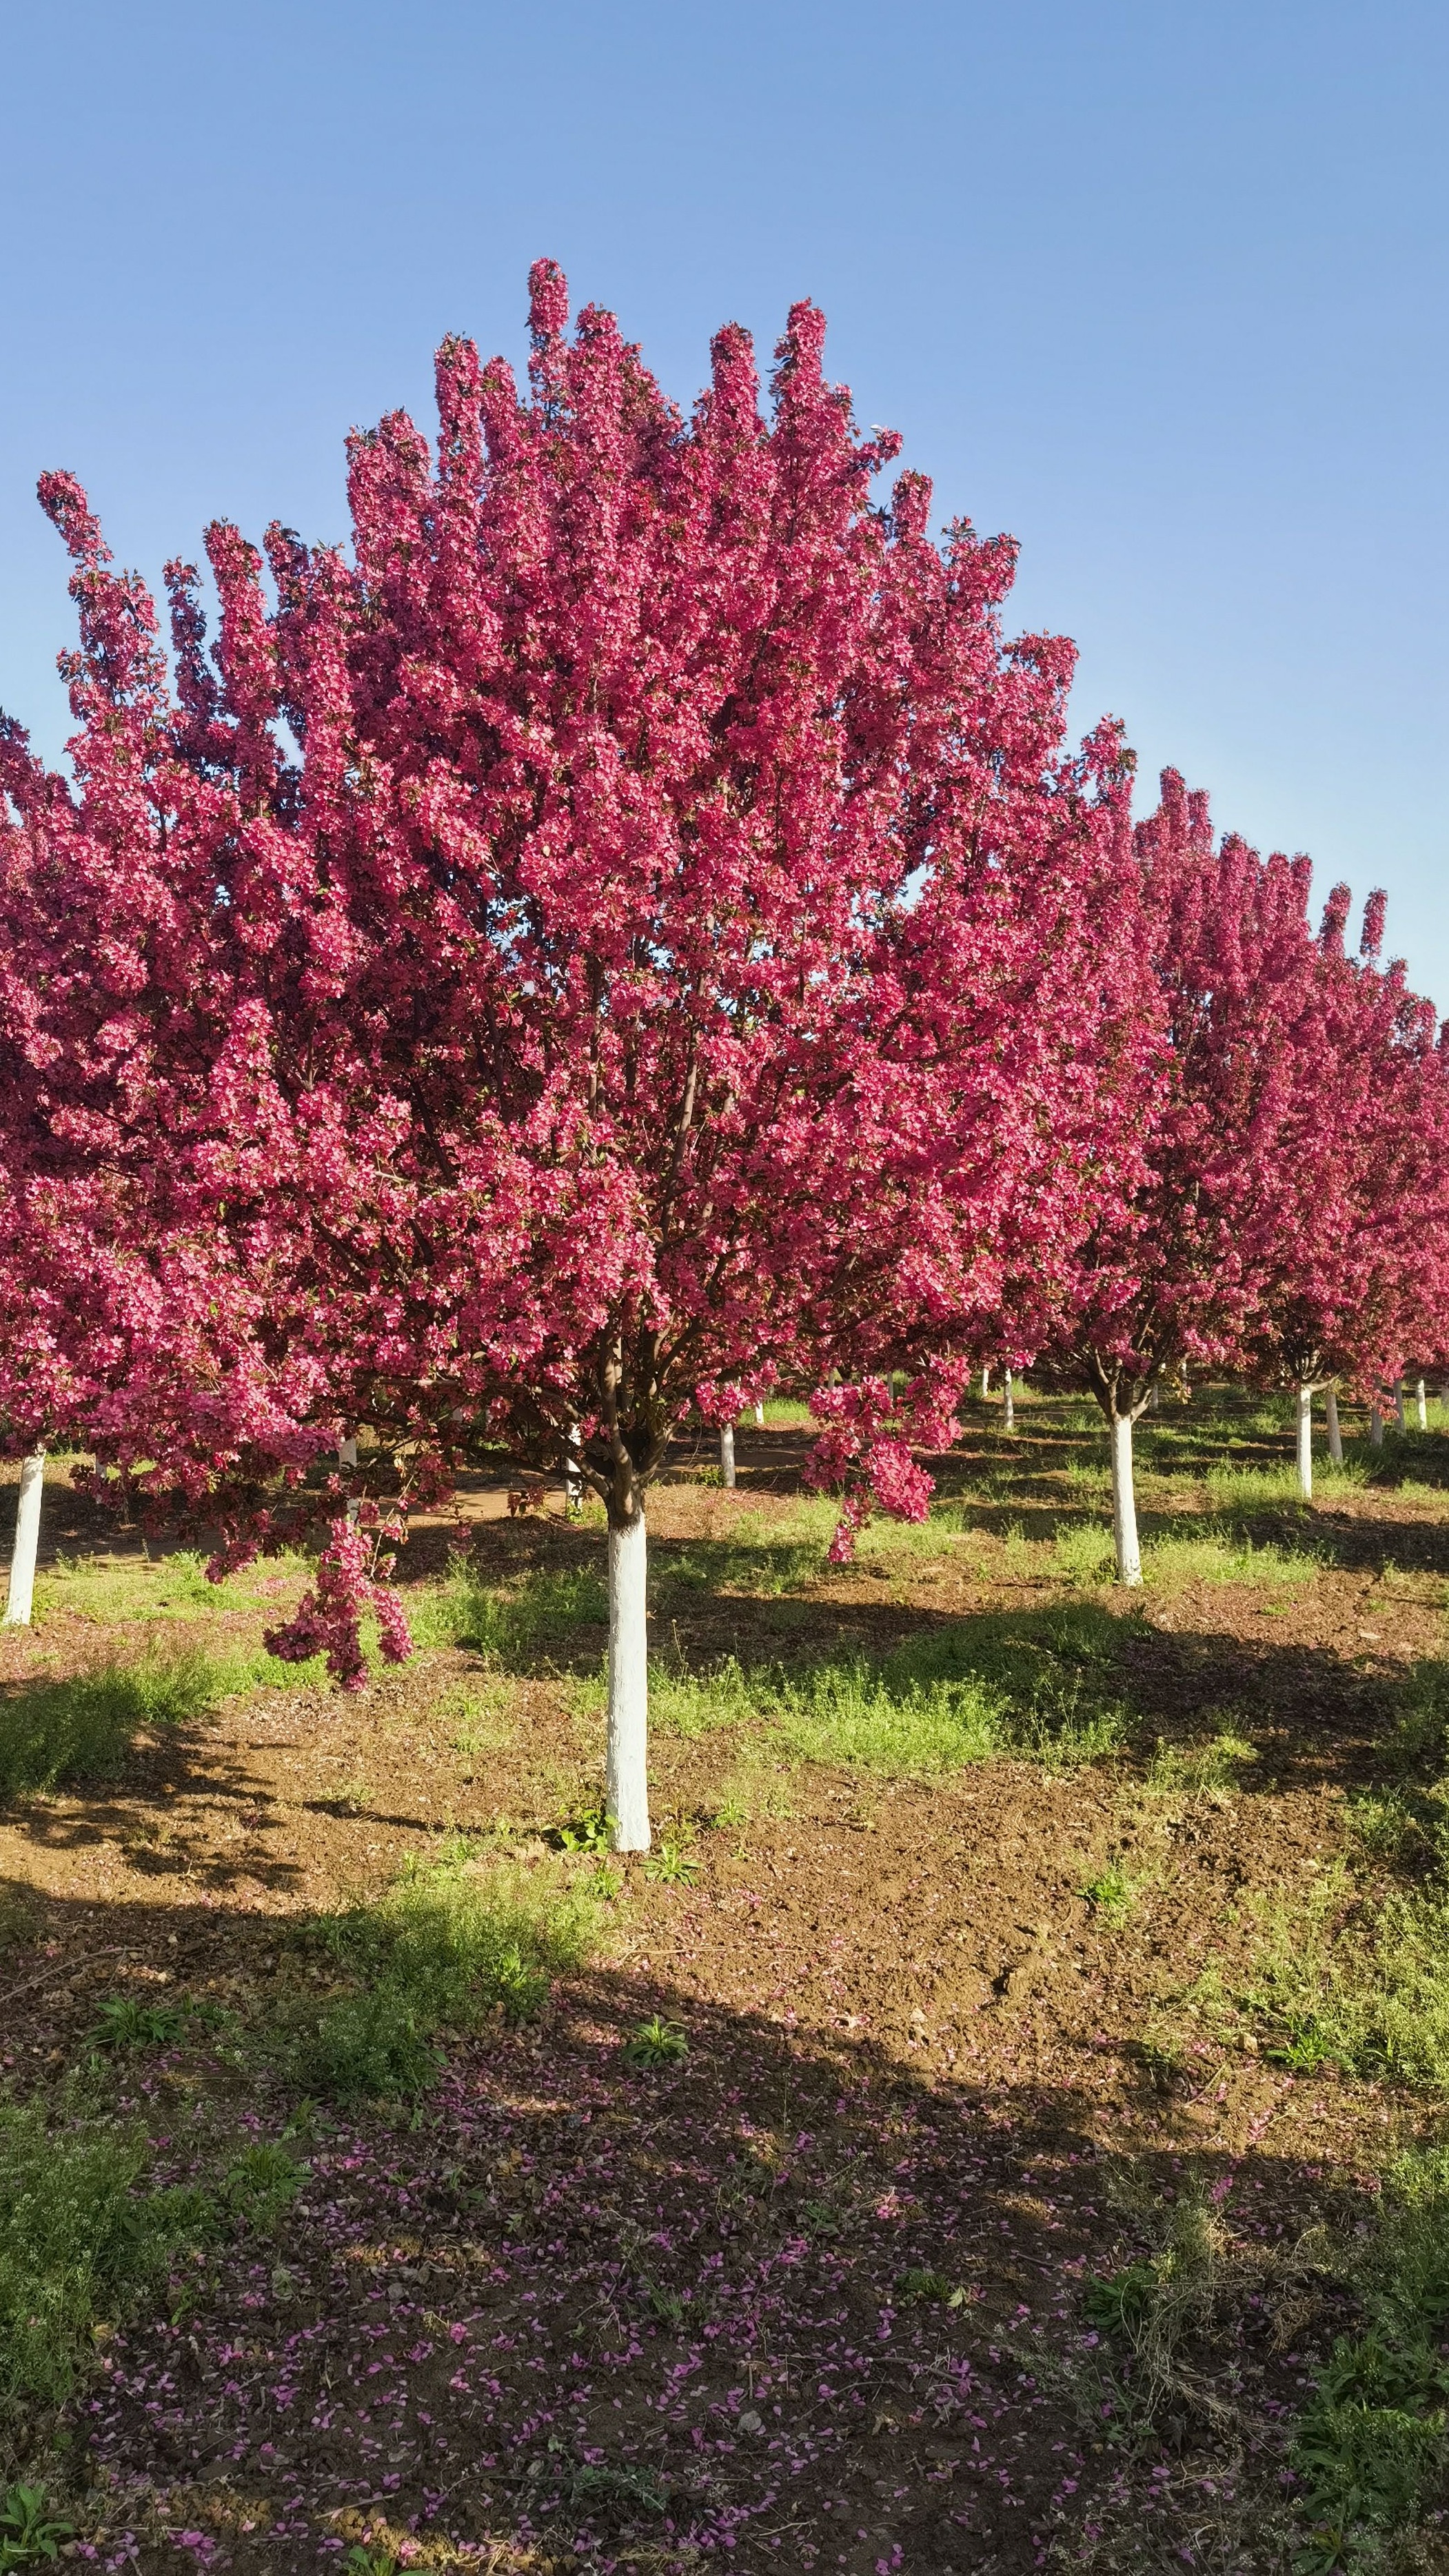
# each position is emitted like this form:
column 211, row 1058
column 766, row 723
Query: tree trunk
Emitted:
column 1335, row 1435
column 1399, row 1403
column 626, row 1787
column 727, row 1453
column 1008, row 1403
column 27, row 1541
column 347, row 1457
column 985, row 1384
column 759, row 1416
column 1376, row 1424
column 1423, row 1403
column 1124, row 1501
column 574, row 1474
column 1305, row 1443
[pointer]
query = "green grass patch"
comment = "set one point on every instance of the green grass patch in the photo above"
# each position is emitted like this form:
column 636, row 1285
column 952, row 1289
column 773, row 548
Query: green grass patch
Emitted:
column 1365, row 1987
column 1083, row 1553
column 83, row 1728
column 1212, row 1556
column 513, row 1627
column 82, row 2233
column 1038, row 1685
column 451, row 1944
column 1372, row 2444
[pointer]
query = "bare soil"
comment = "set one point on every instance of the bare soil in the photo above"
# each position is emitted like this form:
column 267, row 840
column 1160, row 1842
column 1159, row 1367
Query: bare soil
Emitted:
column 564, row 2314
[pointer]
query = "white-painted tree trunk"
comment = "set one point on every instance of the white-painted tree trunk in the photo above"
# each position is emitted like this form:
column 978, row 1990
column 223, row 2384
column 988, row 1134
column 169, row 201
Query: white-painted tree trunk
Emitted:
column 21, row 1598
column 1124, row 1502
column 1335, row 1434
column 1305, row 1443
column 574, row 1474
column 1008, row 1402
column 347, row 1457
column 1154, row 1397
column 1399, row 1404
column 1376, row 1424
column 727, row 1453
column 985, row 1384
column 1422, row 1399
column 759, row 1417
column 626, row 1787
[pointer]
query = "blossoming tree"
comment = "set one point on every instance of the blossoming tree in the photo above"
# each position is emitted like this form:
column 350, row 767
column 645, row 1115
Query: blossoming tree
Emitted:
column 1235, row 1118
column 1356, row 1276
column 632, row 931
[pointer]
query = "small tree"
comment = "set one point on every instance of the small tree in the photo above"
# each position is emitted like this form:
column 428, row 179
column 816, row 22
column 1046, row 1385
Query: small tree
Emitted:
column 1356, row 1275
column 634, row 929
column 1179, row 1269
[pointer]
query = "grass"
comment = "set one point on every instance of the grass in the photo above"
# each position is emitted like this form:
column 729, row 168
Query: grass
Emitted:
column 1038, row 1685
column 1213, row 1556
column 154, row 1589
column 1371, row 2447
column 82, row 2234
column 513, row 1628
column 1362, row 1986
column 452, row 1943
column 84, row 1728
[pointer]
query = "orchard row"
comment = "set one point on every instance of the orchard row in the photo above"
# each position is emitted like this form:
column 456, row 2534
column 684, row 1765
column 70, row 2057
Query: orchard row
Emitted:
column 629, row 933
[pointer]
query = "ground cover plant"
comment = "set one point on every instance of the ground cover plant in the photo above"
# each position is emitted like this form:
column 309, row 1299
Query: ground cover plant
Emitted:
column 999, row 2124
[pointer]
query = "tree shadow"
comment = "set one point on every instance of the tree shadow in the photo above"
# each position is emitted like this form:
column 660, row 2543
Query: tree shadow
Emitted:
column 790, row 2294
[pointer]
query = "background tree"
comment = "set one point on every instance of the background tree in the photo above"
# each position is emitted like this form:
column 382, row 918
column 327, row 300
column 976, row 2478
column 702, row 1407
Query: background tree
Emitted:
column 1178, row 1269
column 1355, row 1278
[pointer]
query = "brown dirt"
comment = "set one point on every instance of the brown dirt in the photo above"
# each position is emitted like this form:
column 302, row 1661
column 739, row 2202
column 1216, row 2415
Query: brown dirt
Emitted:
column 913, row 2042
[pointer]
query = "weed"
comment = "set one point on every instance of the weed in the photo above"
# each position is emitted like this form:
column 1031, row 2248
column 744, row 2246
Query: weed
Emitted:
column 1211, row 1556
column 370, row 2562
column 666, row 2305
column 80, row 2233
column 1111, row 1893
column 656, row 2043
column 958, row 1694
column 592, row 1832
column 1203, row 1770
column 1371, row 2444
column 1118, row 2304
column 30, row 2536
column 126, row 2021
column 1368, row 1991
column 1083, row 1553
column 511, row 1628
column 690, row 1704
column 673, row 1864
column 1155, row 2303
column 261, row 2183
column 641, row 2489
column 917, row 2287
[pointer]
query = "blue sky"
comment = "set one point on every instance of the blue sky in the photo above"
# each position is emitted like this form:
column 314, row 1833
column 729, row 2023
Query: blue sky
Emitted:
column 1158, row 287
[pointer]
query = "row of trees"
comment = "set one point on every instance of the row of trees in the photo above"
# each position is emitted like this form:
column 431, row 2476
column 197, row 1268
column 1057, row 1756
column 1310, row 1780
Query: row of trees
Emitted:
column 630, row 933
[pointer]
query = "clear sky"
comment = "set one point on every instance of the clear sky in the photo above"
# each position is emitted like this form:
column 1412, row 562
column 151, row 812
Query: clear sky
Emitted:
column 1158, row 286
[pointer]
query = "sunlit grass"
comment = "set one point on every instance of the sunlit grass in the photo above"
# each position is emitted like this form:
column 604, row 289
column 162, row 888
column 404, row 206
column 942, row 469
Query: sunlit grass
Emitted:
column 1367, row 1987
column 455, row 1940
column 114, row 1591
column 784, row 1413
column 1213, row 1557
column 1040, row 1688
column 83, row 1727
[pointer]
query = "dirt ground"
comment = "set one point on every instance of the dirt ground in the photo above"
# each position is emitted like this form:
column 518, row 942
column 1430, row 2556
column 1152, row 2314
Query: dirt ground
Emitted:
column 814, row 2294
